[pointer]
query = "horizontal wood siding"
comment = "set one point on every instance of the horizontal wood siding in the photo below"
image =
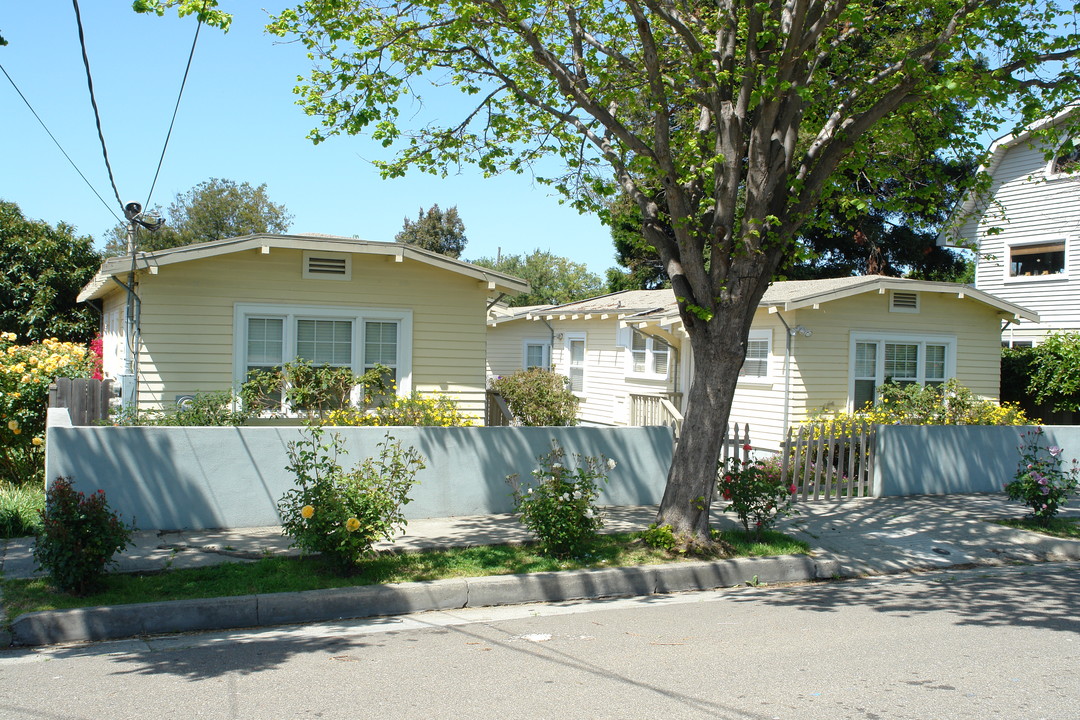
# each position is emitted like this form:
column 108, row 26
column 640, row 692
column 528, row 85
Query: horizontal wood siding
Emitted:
column 760, row 404
column 188, row 310
column 822, row 360
column 1027, row 207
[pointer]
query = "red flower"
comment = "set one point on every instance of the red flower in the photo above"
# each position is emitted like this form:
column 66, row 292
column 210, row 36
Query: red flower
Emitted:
column 793, row 489
column 727, row 495
column 747, row 447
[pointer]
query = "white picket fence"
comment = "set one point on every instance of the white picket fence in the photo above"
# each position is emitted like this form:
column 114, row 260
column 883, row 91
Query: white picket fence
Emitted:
column 824, row 463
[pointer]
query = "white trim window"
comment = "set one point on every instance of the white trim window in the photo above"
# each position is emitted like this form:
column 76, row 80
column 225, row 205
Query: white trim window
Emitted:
column 574, row 354
column 878, row 358
column 647, row 356
column 755, row 366
column 1037, row 260
column 536, row 353
column 1066, row 161
column 268, row 336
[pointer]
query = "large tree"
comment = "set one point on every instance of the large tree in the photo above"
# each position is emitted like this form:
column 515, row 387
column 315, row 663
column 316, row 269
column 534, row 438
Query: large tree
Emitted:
column 725, row 122
column 436, row 230
column 553, row 280
column 212, row 210
column 42, row 269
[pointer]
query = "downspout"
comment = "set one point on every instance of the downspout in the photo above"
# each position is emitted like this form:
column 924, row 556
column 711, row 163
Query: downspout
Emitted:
column 789, row 344
column 551, row 343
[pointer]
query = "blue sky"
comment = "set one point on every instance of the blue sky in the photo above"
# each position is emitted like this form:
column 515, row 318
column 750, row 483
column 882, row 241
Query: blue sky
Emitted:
column 238, row 121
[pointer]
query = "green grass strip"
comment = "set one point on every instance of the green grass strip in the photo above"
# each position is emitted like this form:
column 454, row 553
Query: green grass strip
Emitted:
column 291, row 574
column 1058, row 527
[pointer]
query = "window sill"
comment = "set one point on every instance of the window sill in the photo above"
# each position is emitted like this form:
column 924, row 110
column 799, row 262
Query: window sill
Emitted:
column 1023, row 279
column 758, row 381
column 646, row 376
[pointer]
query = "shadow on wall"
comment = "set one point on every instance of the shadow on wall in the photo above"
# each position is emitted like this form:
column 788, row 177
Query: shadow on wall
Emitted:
column 947, row 459
column 180, row 478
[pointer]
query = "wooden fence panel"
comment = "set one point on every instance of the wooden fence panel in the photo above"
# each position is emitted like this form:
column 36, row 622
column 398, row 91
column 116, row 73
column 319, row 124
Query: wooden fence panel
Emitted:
column 825, row 463
column 86, row 400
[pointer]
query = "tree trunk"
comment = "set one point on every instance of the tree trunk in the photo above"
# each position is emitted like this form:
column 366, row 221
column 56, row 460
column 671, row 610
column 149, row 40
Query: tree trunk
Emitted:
column 719, row 351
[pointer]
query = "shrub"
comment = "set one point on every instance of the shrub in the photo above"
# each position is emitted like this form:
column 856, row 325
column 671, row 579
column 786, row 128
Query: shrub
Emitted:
column 558, row 507
column 312, row 390
column 755, row 492
column 343, row 513
column 20, row 509
column 538, row 397
column 25, row 374
column 78, row 538
column 423, row 409
column 1041, row 482
column 661, row 537
column 214, row 409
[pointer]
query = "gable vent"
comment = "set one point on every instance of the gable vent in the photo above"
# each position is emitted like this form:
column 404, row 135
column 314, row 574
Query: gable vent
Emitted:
column 905, row 302
column 327, row 266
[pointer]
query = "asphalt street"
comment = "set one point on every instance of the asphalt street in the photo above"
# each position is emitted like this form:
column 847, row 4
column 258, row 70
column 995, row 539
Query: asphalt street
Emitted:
column 989, row 642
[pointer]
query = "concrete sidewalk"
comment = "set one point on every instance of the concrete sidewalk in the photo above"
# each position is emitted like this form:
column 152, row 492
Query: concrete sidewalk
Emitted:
column 848, row 539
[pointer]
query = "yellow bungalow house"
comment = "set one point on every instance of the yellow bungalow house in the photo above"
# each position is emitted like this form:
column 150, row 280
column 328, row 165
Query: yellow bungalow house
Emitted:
column 198, row 318
column 815, row 345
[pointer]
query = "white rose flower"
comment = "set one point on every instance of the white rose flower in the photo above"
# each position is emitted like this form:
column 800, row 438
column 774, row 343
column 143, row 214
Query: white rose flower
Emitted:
column 577, row 494
column 611, row 464
column 556, row 466
column 589, row 513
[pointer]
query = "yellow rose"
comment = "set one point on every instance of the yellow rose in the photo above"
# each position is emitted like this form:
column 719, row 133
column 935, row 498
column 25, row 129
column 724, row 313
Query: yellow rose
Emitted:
column 352, row 524
column 306, row 512
column 13, row 425
column 37, row 442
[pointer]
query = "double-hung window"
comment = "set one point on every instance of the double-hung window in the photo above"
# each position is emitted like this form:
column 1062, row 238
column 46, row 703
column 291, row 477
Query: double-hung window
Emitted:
column 574, row 352
column 902, row 359
column 269, row 336
column 758, row 348
column 536, row 353
column 649, row 355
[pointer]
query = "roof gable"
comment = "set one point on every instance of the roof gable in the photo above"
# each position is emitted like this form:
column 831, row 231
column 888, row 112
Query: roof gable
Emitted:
column 118, row 266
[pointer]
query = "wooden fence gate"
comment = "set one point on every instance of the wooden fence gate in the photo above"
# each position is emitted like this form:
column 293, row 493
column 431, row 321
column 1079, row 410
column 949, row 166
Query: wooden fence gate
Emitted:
column 825, row 462
column 87, row 401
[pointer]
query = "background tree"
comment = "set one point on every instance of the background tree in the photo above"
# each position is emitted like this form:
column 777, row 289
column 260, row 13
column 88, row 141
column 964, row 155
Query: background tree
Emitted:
column 212, row 210
column 554, row 280
column 435, row 230
column 42, row 270
column 725, row 123
column 643, row 268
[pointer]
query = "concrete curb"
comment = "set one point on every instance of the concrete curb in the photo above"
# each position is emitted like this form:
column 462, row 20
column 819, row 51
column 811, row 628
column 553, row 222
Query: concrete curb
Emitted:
column 120, row 621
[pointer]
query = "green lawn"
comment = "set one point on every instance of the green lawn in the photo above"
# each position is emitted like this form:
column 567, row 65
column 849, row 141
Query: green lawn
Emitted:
column 1058, row 527
column 282, row 574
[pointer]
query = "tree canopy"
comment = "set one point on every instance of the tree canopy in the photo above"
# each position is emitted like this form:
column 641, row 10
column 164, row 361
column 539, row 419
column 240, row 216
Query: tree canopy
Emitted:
column 726, row 123
column 553, row 280
column 435, row 230
column 212, row 210
column 42, row 270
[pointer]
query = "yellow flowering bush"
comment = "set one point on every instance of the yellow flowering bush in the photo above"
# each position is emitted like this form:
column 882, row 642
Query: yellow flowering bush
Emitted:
column 25, row 374
column 427, row 409
column 947, row 404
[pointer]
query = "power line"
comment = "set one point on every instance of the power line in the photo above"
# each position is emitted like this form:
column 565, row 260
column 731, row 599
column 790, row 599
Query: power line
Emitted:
column 176, row 108
column 93, row 102
column 58, row 145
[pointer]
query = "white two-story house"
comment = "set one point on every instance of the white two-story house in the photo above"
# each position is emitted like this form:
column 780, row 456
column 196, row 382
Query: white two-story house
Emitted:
column 1026, row 226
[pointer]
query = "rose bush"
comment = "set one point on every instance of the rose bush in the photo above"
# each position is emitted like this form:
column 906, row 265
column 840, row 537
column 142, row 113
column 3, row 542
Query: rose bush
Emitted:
column 754, row 491
column 25, row 374
column 1042, row 482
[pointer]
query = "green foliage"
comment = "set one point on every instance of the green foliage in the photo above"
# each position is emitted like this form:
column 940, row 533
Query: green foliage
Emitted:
column 755, row 492
column 26, row 371
column 42, row 270
column 538, row 397
column 1054, row 366
column 948, row 404
column 559, row 505
column 553, row 280
column 313, row 391
column 204, row 10
column 644, row 271
column 20, row 509
column 212, row 210
column 343, row 513
column 212, row 409
column 416, row 409
column 435, row 230
column 78, row 537
column 661, row 537
column 1042, row 483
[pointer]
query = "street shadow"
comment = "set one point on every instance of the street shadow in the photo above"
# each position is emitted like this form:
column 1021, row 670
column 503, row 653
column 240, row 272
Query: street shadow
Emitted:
column 1036, row 596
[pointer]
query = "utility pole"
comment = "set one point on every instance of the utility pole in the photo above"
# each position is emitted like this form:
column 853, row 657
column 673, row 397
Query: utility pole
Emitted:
column 128, row 384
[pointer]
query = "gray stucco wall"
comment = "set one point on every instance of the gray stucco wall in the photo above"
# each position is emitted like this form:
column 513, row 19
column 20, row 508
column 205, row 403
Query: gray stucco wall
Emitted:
column 171, row 478
column 936, row 460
